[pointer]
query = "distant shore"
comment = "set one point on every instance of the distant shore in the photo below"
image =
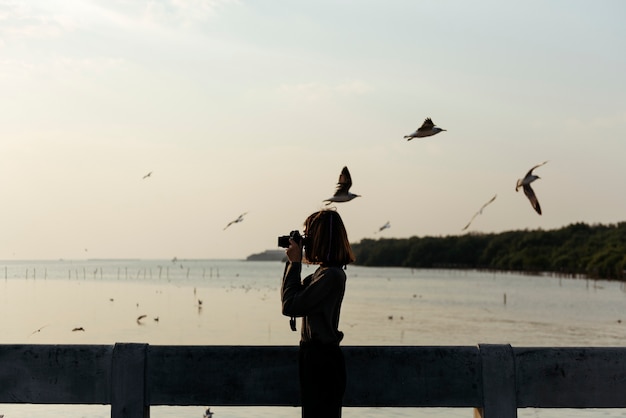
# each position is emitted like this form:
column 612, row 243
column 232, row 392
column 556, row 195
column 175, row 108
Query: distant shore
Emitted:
column 577, row 250
column 267, row 255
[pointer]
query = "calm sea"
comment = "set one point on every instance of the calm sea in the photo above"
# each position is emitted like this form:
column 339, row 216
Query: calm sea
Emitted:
column 228, row 302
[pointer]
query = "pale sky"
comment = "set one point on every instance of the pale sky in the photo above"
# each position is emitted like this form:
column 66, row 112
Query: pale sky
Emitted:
column 255, row 106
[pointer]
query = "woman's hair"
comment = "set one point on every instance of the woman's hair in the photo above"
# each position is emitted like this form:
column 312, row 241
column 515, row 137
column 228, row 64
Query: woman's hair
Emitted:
column 326, row 239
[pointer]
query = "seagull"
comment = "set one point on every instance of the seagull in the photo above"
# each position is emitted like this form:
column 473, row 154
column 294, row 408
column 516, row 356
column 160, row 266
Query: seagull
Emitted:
column 528, row 191
column 38, row 330
column 239, row 219
column 342, row 194
column 428, row 128
column 78, row 329
column 146, row 175
column 382, row 228
column 139, row 318
column 480, row 212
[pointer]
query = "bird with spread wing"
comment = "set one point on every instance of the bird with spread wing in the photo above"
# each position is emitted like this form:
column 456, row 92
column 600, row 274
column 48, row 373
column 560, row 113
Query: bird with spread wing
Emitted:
column 428, row 128
column 343, row 194
column 239, row 219
column 524, row 183
column 480, row 211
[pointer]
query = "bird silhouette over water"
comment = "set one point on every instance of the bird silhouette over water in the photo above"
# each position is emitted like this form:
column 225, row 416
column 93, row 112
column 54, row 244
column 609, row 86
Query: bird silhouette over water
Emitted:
column 428, row 128
column 524, row 183
column 480, row 211
column 235, row 221
column 343, row 194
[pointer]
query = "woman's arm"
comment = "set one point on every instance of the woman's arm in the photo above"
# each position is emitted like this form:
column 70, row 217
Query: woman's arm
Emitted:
column 300, row 299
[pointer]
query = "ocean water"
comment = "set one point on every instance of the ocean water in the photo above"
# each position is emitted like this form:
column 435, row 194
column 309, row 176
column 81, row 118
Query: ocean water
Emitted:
column 229, row 302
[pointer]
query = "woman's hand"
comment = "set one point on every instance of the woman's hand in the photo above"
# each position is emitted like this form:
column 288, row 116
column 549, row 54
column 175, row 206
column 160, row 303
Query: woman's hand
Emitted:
column 294, row 252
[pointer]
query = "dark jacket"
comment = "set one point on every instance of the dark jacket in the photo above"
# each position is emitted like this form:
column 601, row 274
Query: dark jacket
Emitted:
column 317, row 299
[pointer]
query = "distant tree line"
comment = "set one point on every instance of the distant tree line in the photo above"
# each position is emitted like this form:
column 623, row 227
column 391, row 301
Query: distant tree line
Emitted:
column 596, row 251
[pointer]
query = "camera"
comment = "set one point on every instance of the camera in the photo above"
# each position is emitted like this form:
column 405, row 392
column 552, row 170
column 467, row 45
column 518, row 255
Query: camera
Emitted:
column 283, row 241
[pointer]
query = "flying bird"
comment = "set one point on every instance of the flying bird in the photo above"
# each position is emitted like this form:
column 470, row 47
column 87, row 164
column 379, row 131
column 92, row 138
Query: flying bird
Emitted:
column 343, row 194
column 38, row 330
column 78, row 329
column 428, row 128
column 528, row 191
column 239, row 219
column 139, row 318
column 480, row 211
column 385, row 226
column 146, row 175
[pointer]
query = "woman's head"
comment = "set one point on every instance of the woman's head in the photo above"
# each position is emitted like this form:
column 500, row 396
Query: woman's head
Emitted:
column 327, row 239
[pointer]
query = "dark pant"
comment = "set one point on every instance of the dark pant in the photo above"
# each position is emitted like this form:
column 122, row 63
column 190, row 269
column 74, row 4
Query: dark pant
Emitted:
column 322, row 380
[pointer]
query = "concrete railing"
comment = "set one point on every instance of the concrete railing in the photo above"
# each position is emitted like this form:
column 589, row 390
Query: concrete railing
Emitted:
column 496, row 380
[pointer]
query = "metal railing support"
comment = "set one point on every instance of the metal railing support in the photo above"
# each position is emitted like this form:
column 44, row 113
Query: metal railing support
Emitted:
column 498, row 375
column 128, row 381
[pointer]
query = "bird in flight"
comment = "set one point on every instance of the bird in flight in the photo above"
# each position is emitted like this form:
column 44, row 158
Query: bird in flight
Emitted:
column 385, row 226
column 139, row 318
column 524, row 183
column 480, row 211
column 239, row 219
column 146, row 175
column 78, row 329
column 38, row 330
column 343, row 194
column 428, row 128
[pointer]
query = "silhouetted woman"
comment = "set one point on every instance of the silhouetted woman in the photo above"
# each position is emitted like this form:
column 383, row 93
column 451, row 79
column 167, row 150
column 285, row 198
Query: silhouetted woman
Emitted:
column 317, row 299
